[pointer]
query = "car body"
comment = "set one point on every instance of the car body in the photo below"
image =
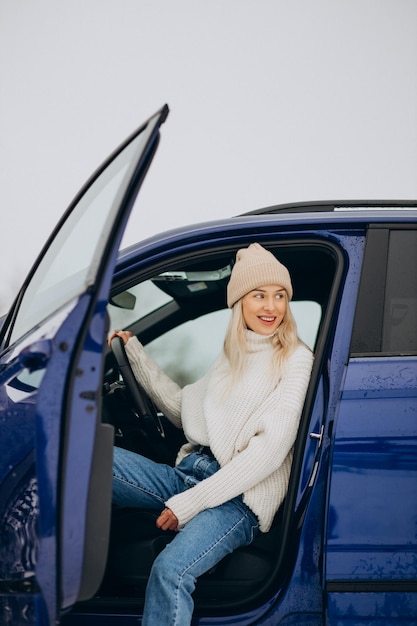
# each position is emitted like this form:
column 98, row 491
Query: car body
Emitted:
column 343, row 547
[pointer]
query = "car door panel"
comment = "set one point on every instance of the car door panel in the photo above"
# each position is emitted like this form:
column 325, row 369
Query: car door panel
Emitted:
column 62, row 331
column 375, row 463
column 371, row 561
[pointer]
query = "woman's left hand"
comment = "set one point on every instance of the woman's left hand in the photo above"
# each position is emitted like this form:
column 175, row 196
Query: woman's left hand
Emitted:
column 167, row 520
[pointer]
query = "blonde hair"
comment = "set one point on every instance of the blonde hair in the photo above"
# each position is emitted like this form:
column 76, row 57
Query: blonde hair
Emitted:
column 285, row 340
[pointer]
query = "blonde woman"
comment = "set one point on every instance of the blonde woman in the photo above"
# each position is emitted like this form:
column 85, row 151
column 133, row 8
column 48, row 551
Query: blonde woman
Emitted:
column 240, row 421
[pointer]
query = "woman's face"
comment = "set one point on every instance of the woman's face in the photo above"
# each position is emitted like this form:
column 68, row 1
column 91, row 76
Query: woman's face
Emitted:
column 264, row 309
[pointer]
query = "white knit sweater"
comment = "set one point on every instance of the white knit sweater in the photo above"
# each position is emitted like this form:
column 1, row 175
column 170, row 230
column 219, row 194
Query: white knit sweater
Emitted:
column 251, row 429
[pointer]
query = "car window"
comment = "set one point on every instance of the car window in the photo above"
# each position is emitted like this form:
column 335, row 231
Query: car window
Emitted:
column 399, row 330
column 62, row 275
column 72, row 259
column 386, row 312
column 132, row 305
column 186, row 352
column 307, row 314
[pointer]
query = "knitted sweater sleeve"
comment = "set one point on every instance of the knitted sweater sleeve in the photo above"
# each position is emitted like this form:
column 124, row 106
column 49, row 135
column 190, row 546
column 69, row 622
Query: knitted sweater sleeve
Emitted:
column 161, row 388
column 266, row 451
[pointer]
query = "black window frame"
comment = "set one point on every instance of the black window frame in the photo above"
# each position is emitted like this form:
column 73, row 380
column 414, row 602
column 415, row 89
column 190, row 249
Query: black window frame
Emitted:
column 368, row 327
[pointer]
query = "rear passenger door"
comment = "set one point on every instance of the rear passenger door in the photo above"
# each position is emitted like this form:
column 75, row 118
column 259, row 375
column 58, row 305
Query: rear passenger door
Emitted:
column 371, row 561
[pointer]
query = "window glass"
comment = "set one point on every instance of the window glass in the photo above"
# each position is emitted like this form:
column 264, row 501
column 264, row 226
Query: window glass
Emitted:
column 399, row 333
column 186, row 352
column 71, row 262
column 307, row 314
column 130, row 306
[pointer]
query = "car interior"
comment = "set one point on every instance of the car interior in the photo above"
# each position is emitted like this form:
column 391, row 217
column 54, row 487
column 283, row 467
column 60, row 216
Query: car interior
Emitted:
column 180, row 315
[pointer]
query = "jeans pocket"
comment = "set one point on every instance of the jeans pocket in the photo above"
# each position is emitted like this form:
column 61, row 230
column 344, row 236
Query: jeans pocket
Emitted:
column 254, row 530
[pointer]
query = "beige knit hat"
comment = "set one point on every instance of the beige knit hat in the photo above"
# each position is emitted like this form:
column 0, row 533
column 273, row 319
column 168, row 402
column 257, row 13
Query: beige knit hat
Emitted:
column 255, row 267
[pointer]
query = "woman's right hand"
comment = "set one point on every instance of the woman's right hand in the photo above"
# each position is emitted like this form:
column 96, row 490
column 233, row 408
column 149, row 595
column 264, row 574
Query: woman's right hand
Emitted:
column 125, row 335
column 167, row 520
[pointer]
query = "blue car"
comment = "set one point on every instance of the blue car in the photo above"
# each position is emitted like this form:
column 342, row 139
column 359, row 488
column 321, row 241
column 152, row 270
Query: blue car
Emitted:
column 343, row 547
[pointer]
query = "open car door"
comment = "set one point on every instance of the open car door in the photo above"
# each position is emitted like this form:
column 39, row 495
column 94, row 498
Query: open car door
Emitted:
column 55, row 454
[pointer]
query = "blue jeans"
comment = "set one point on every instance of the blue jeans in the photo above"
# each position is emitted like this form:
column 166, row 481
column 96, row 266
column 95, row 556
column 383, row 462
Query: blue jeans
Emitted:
column 203, row 542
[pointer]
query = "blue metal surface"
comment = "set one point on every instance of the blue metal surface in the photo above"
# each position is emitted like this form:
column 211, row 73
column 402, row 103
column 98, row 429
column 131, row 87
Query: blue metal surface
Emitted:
column 49, row 436
column 25, row 527
column 372, row 609
column 372, row 509
column 84, row 418
column 373, row 496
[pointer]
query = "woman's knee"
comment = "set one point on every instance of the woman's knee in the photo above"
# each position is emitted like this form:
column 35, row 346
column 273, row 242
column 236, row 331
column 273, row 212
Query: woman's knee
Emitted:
column 168, row 571
column 122, row 461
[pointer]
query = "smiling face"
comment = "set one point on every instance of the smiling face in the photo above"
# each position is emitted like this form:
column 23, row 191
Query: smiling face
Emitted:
column 264, row 309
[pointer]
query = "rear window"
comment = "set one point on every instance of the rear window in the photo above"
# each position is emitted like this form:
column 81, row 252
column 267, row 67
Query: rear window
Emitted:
column 399, row 330
column 386, row 315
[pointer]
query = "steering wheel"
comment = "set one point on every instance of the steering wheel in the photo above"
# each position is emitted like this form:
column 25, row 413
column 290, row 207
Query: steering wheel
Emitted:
column 141, row 404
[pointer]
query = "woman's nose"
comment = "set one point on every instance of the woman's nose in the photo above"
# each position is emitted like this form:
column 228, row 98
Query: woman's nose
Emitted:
column 269, row 304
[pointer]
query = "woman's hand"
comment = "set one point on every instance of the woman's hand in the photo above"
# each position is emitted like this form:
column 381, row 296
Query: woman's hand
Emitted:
column 125, row 335
column 167, row 520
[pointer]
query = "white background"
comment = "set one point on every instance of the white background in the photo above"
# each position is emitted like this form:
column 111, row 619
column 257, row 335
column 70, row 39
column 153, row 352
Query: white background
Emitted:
column 271, row 101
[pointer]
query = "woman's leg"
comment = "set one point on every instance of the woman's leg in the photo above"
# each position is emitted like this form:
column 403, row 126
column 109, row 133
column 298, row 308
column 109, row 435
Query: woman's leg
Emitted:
column 140, row 482
column 200, row 545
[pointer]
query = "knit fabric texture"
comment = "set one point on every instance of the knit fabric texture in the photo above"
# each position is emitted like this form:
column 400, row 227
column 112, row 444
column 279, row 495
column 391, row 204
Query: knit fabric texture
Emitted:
column 250, row 428
column 256, row 267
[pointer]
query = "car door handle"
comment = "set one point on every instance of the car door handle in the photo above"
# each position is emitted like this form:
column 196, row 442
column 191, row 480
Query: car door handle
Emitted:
column 318, row 436
column 33, row 358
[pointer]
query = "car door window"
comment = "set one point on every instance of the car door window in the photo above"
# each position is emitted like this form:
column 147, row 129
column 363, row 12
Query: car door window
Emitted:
column 386, row 312
column 308, row 315
column 186, row 352
column 71, row 261
column 399, row 330
column 132, row 305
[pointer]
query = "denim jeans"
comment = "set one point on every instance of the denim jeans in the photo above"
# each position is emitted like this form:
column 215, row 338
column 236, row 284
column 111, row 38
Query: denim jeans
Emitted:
column 203, row 542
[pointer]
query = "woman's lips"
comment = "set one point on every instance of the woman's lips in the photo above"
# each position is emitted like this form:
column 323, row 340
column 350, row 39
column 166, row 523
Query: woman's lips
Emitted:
column 267, row 320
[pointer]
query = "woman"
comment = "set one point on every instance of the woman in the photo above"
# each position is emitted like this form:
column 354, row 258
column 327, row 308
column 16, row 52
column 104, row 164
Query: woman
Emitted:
column 240, row 421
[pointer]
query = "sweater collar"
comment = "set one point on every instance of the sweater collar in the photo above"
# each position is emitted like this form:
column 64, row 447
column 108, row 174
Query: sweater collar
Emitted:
column 258, row 343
